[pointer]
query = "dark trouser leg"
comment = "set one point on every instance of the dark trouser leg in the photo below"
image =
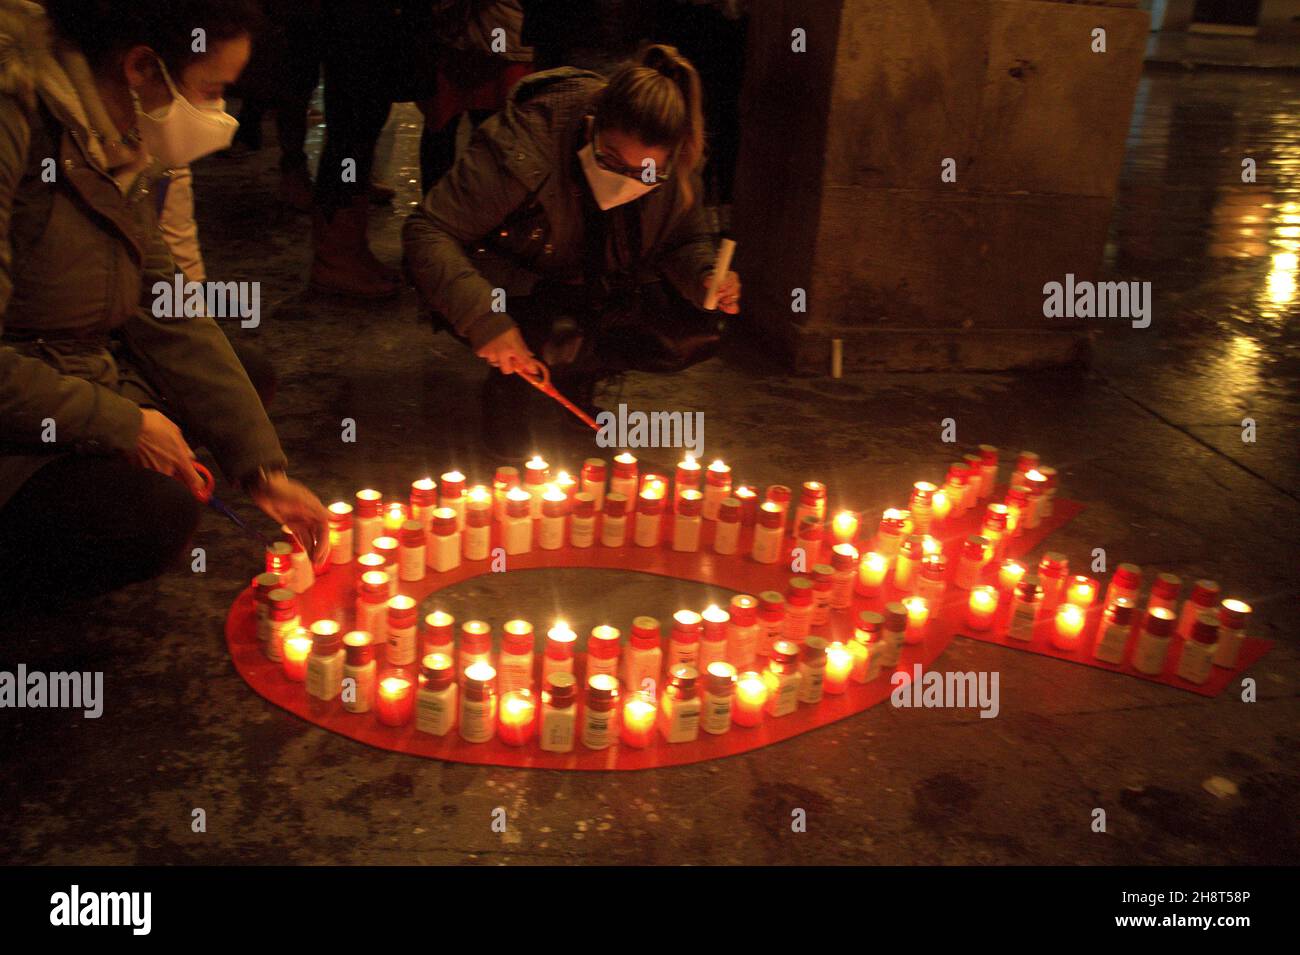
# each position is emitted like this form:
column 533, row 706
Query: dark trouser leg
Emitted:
column 300, row 72
column 86, row 525
column 356, row 102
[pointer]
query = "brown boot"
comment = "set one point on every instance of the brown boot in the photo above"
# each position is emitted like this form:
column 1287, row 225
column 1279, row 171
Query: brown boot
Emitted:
column 343, row 261
column 295, row 189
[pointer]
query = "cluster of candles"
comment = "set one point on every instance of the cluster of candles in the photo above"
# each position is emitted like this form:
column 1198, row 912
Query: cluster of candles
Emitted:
column 443, row 676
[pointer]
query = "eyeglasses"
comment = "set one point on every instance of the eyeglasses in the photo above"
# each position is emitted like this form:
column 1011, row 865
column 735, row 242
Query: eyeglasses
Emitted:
column 606, row 162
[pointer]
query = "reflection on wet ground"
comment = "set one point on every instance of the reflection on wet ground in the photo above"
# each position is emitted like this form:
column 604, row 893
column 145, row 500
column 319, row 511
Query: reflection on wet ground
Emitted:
column 1222, row 253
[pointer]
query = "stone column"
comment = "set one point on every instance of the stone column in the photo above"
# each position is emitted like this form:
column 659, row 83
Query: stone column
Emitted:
column 840, row 190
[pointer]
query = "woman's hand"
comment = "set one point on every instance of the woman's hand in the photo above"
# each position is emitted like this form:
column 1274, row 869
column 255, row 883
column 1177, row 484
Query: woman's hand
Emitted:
column 287, row 502
column 509, row 353
column 161, row 447
column 728, row 292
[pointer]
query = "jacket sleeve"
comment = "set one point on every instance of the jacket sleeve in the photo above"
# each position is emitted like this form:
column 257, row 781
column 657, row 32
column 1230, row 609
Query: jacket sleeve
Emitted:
column 176, row 220
column 190, row 362
column 474, row 197
column 688, row 252
column 87, row 416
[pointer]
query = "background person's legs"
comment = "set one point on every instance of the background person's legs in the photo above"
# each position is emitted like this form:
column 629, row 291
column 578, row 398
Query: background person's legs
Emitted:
column 87, row 525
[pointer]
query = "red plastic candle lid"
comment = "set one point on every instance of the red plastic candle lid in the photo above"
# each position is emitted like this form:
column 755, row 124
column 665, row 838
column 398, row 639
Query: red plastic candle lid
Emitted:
column 895, row 617
column 744, row 610
column 718, row 475
column 369, row 502
column 690, row 504
column 1026, row 460
column 974, row 546
column 1206, row 628
column 438, row 670
column 593, row 469
column 645, row 633
column 517, row 636
column 870, row 622
column 340, row 515
column 649, row 503
column 584, row 505
column 359, row 648
column 518, row 503
column 615, row 504
column 1128, row 575
column 843, row 557
column 771, row 602
column 424, row 492
column 402, row 612
column 603, row 643
column 769, row 515
column 444, row 522
column 625, row 466
column 988, row 454
column 1054, row 564
column 1166, row 585
column 934, row 566
column 687, row 625
column 715, row 623
column 438, row 625
column 1233, row 613
column 475, row 636
column 799, row 591
column 729, row 511
column 412, row 534
column 453, row 484
column 1121, row 612
column 554, row 506
column 506, row 477
column 1205, row 593
column 778, row 494
column 812, row 492
column 478, row 516
column 1160, row 622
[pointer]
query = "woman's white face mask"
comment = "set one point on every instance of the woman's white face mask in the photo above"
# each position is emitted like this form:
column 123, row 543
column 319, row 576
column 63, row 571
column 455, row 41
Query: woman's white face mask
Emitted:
column 180, row 132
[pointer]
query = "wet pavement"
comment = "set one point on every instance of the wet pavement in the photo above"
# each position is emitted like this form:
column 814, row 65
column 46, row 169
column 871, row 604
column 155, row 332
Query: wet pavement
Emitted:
column 1150, row 439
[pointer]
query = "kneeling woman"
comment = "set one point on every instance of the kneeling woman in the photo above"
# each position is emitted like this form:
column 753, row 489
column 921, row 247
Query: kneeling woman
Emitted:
column 96, row 477
column 571, row 231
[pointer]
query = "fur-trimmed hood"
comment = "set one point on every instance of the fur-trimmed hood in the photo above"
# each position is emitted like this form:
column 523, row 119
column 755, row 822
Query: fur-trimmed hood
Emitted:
column 35, row 64
column 25, row 40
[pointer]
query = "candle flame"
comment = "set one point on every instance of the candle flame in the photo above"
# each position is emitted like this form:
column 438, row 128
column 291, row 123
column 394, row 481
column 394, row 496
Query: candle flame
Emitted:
column 1237, row 606
column 718, row 465
column 536, row 462
column 340, row 508
column 453, row 477
column 394, row 685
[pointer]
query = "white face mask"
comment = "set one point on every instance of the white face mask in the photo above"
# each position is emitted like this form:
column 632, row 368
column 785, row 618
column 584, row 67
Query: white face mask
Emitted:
column 180, row 132
column 610, row 188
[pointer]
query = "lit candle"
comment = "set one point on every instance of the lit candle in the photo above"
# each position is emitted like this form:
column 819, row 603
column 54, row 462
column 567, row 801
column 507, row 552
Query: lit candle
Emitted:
column 871, row 573
column 918, row 615
column 394, row 517
column 751, row 697
column 930, row 545
column 1081, row 592
column 717, row 488
column 1009, row 574
column 340, row 532
column 748, row 499
column 639, row 714
column 1069, row 624
column 567, row 484
column 395, row 704
column 845, row 527
column 839, row 664
column 297, row 648
column 940, row 506
column 518, row 716
column 688, row 475
column 983, row 605
column 560, row 641
column 536, row 474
